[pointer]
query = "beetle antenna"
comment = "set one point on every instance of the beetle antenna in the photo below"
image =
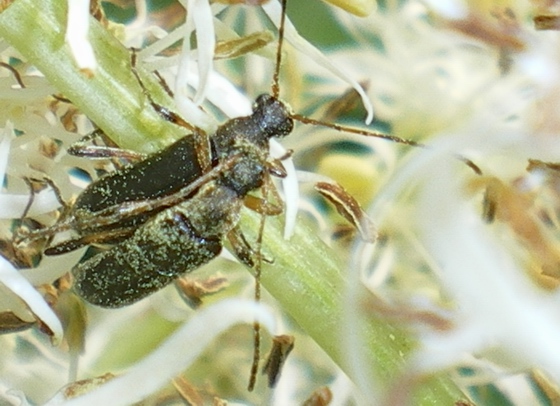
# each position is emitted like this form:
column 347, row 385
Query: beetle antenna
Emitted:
column 353, row 130
column 256, row 324
column 276, row 76
column 258, row 266
column 375, row 134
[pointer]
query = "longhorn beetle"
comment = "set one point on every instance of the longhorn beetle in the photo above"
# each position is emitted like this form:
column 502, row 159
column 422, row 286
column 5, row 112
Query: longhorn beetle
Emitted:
column 168, row 214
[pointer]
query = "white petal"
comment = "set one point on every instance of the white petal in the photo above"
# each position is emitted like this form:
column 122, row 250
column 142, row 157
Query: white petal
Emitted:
column 15, row 282
column 158, row 368
column 199, row 16
column 8, row 134
column 290, row 187
column 77, row 33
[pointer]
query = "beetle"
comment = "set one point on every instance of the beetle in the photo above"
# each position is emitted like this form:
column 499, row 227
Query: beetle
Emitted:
column 179, row 230
column 167, row 214
column 163, row 223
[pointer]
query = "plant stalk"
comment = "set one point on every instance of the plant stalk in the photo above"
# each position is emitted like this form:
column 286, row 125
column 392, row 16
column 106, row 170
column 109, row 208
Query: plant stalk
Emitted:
column 306, row 278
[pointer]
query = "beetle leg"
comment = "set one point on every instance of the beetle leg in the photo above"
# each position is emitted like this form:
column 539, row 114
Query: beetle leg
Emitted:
column 262, row 206
column 202, row 140
column 243, row 250
column 83, row 150
column 105, row 237
column 276, row 168
column 31, row 199
column 164, row 84
column 104, row 152
column 21, row 234
column 164, row 112
column 49, row 182
column 287, row 155
column 241, row 247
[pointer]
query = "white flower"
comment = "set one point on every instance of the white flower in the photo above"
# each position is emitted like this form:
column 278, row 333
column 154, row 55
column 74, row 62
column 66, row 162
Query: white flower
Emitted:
column 432, row 83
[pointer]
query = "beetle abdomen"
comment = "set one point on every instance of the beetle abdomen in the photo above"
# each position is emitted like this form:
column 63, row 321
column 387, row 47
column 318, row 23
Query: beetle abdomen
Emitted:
column 158, row 252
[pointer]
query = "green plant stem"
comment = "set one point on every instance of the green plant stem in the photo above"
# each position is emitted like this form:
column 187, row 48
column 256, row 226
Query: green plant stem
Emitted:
column 112, row 97
column 306, row 277
column 309, row 282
